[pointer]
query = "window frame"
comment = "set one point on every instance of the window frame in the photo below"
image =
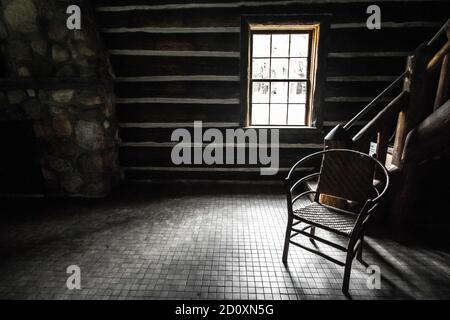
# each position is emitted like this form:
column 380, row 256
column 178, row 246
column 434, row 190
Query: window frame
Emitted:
column 250, row 80
column 286, row 24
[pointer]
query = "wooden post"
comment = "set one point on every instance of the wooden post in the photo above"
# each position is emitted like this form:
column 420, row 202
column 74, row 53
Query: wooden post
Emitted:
column 421, row 87
column 338, row 138
column 382, row 148
column 443, row 91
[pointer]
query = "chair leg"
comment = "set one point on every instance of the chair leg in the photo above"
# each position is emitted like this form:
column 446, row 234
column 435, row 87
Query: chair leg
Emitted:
column 287, row 239
column 312, row 232
column 359, row 254
column 347, row 271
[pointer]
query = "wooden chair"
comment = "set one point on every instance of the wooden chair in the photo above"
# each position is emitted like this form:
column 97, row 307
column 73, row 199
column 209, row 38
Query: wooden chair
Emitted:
column 345, row 175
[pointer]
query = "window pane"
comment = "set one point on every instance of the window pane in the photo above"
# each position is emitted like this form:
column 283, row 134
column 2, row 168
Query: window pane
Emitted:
column 280, row 45
column 260, row 114
column 299, row 45
column 296, row 116
column 260, row 92
column 279, row 92
column 261, row 68
column 278, row 113
column 261, row 45
column 298, row 68
column 297, row 92
column 279, row 68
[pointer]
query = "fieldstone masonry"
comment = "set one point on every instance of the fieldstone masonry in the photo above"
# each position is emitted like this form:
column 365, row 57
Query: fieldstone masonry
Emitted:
column 72, row 106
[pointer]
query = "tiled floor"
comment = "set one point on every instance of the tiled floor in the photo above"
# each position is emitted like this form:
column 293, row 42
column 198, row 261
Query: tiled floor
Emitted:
column 192, row 245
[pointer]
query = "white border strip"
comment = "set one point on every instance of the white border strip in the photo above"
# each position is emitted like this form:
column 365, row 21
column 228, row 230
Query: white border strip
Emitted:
column 361, row 79
column 354, row 99
column 168, row 53
column 182, row 78
column 160, row 30
column 231, row 54
column 368, row 54
column 148, row 125
column 195, row 30
column 335, row 123
column 230, row 5
column 409, row 24
column 226, row 145
column 204, row 181
column 177, row 78
column 206, row 169
column 177, row 100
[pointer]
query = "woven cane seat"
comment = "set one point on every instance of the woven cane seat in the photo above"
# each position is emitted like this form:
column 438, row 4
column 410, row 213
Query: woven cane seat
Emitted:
column 327, row 218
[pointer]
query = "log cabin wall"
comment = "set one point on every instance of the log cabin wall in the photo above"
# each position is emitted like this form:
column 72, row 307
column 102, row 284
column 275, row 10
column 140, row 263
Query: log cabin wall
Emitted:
column 178, row 61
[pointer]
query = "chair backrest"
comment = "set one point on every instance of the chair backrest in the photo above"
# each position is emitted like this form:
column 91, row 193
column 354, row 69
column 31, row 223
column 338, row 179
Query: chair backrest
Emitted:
column 348, row 175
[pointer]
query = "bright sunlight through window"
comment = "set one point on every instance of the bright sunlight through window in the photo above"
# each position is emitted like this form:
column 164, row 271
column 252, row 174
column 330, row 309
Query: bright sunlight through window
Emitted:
column 280, row 77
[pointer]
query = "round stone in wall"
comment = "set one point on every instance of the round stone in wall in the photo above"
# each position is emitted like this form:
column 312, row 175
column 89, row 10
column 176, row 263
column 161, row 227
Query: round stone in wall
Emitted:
column 90, row 134
column 60, row 165
column 39, row 47
column 20, row 15
column 59, row 54
column 72, row 183
column 62, row 126
column 63, row 96
column 23, row 72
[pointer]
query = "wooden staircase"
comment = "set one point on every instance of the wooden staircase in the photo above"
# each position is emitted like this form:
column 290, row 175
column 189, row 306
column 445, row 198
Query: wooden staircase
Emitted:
column 421, row 115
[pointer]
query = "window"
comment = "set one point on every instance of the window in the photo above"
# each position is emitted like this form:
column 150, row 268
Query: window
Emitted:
column 281, row 74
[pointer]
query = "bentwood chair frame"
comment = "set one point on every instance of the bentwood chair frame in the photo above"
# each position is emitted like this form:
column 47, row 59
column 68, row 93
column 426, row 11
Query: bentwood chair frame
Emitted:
column 354, row 222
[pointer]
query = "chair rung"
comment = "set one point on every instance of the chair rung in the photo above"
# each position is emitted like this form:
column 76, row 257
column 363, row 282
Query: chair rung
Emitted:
column 334, row 245
column 323, row 255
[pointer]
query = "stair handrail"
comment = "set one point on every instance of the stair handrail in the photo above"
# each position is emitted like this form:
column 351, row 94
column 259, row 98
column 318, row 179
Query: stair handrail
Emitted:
column 394, row 84
column 366, row 109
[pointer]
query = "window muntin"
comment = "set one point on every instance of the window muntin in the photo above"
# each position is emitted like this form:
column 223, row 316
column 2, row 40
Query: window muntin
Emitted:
column 280, row 77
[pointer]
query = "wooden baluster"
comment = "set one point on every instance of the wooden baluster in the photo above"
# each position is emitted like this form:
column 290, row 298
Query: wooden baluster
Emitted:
column 382, row 149
column 443, row 91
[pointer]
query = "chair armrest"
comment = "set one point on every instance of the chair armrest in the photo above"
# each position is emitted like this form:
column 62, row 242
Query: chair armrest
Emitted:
column 302, row 180
column 301, row 195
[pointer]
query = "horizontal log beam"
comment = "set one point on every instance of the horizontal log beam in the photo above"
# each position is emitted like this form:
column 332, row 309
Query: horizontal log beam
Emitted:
column 185, row 101
column 158, row 7
column 189, row 90
column 143, row 66
column 237, row 29
column 172, row 53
